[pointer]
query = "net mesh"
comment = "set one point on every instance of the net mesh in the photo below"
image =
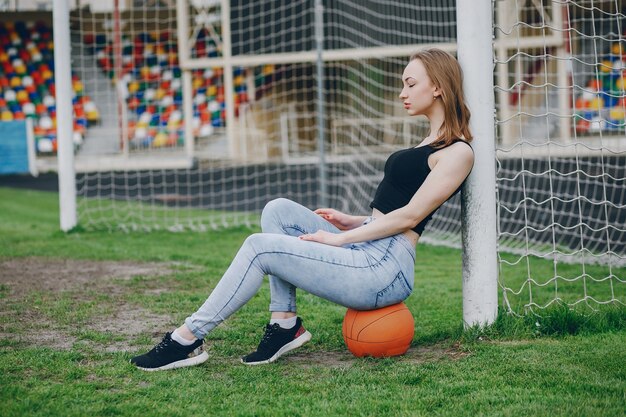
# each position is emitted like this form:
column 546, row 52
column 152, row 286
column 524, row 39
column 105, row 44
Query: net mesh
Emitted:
column 560, row 159
column 273, row 151
column 253, row 123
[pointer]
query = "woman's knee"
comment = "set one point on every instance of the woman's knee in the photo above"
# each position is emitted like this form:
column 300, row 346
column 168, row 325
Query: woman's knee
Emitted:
column 273, row 212
column 257, row 242
column 256, row 246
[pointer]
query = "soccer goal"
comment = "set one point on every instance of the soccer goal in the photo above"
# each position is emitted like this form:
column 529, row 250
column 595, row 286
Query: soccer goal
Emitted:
column 217, row 107
column 561, row 153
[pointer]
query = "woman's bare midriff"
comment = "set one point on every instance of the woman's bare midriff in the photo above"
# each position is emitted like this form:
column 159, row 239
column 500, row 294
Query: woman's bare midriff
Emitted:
column 409, row 234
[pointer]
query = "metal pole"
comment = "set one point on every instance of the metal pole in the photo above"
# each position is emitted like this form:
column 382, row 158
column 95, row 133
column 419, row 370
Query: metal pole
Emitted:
column 182, row 27
column 505, row 16
column 117, row 54
column 560, row 20
column 319, row 43
column 229, row 89
column 65, row 149
column 480, row 266
column 32, row 153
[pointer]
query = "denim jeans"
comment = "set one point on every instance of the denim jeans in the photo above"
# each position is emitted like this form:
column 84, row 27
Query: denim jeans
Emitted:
column 362, row 276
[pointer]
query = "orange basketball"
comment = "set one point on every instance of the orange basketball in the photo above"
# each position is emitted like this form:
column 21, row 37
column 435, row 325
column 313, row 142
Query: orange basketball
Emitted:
column 387, row 331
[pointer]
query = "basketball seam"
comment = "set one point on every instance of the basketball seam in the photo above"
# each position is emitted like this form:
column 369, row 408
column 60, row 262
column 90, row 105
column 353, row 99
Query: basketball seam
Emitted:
column 386, row 341
column 353, row 320
column 380, row 318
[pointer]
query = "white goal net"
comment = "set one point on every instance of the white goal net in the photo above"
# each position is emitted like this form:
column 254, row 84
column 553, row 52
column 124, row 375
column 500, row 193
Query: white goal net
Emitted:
column 207, row 109
column 561, row 157
column 251, row 125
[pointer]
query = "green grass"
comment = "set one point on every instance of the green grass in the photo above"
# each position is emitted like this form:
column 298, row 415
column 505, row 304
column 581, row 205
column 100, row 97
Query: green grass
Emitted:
column 563, row 363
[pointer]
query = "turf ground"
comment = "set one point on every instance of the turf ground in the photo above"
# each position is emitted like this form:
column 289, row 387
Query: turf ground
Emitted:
column 75, row 307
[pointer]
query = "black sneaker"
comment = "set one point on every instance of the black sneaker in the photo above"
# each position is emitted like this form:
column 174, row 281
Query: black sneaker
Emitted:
column 170, row 354
column 276, row 342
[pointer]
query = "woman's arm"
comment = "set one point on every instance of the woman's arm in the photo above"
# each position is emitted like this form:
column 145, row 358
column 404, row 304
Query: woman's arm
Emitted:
column 340, row 220
column 448, row 174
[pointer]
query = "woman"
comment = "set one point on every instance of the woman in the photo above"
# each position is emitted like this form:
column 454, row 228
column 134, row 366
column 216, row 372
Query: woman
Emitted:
column 356, row 261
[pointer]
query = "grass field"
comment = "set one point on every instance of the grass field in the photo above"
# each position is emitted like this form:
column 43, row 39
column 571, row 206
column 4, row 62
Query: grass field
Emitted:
column 75, row 307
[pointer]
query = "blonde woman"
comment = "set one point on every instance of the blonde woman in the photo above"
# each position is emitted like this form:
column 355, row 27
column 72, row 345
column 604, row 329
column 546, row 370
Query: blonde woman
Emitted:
column 361, row 262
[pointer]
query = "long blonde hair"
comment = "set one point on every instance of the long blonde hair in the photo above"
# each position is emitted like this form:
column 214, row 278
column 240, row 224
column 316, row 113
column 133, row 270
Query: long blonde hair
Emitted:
column 445, row 72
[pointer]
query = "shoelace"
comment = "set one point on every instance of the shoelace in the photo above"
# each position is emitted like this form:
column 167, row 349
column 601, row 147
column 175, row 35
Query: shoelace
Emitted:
column 163, row 344
column 270, row 330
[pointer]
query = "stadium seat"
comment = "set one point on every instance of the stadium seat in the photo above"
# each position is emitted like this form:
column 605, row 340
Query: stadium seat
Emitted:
column 27, row 88
column 601, row 106
column 153, row 79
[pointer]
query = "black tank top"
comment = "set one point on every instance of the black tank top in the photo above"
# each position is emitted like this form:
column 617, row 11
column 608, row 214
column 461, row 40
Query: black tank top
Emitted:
column 405, row 172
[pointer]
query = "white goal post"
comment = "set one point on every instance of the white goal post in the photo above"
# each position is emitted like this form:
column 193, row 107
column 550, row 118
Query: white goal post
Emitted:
column 480, row 263
column 62, row 62
column 222, row 110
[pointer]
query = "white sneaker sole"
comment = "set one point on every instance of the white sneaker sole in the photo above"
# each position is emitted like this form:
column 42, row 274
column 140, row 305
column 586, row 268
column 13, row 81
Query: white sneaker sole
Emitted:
column 196, row 360
column 294, row 344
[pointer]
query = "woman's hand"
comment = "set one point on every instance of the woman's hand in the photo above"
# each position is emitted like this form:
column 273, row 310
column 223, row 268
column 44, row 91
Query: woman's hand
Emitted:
column 338, row 219
column 322, row 236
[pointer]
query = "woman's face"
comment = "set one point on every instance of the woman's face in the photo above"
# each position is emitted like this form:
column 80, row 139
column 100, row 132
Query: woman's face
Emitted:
column 418, row 92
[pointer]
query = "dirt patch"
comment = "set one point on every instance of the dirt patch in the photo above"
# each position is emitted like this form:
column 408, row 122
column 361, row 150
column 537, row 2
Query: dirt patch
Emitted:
column 24, row 275
column 129, row 321
column 344, row 359
column 327, row 359
column 80, row 278
column 53, row 339
column 430, row 353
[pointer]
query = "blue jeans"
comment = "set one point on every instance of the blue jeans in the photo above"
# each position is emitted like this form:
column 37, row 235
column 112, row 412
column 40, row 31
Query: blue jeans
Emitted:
column 362, row 276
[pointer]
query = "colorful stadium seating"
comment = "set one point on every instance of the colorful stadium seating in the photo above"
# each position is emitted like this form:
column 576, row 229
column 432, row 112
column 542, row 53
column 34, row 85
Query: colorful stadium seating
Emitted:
column 152, row 76
column 27, row 87
column 601, row 107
